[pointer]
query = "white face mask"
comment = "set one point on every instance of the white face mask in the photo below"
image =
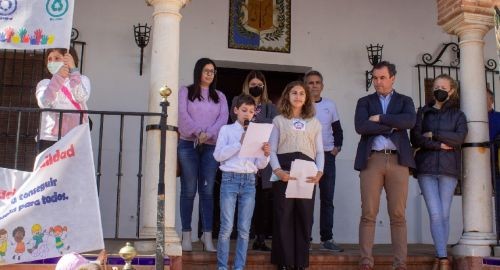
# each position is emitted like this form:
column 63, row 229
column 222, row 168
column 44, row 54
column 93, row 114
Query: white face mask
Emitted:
column 54, row 67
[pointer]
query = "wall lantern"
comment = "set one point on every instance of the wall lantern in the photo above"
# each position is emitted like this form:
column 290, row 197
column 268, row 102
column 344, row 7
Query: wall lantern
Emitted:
column 374, row 57
column 141, row 34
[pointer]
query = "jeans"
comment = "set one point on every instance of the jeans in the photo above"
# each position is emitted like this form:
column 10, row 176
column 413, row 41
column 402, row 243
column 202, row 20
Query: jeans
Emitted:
column 235, row 187
column 198, row 169
column 438, row 193
column 326, row 192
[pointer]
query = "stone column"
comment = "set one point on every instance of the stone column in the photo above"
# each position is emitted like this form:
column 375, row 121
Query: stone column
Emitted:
column 471, row 25
column 164, row 71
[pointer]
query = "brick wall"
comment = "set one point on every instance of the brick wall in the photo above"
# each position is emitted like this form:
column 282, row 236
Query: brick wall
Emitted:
column 449, row 9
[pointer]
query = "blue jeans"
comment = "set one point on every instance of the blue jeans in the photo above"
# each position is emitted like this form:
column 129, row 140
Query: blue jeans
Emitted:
column 438, row 193
column 326, row 192
column 238, row 187
column 198, row 169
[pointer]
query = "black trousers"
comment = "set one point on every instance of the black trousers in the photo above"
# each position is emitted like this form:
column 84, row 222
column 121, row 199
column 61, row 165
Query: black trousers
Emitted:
column 293, row 219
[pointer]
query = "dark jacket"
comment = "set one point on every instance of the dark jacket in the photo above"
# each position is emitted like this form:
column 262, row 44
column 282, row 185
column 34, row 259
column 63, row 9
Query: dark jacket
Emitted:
column 448, row 125
column 399, row 117
column 266, row 115
column 494, row 124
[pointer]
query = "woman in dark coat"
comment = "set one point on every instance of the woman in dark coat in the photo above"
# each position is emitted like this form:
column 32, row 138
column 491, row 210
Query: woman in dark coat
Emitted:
column 438, row 134
column 256, row 86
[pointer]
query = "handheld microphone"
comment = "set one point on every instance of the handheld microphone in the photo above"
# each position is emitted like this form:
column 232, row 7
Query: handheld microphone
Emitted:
column 245, row 124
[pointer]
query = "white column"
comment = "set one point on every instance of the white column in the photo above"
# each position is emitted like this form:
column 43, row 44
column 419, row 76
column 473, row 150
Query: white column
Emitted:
column 164, row 71
column 477, row 189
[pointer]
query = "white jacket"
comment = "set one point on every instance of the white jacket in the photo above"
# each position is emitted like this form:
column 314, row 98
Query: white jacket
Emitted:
column 50, row 95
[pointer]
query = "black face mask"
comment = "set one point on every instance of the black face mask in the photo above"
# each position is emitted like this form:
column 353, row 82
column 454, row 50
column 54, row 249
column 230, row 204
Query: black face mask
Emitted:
column 256, row 91
column 440, row 95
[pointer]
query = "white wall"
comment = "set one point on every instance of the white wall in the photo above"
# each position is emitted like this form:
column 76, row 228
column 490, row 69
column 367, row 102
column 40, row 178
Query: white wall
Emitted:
column 111, row 61
column 327, row 35
column 111, row 55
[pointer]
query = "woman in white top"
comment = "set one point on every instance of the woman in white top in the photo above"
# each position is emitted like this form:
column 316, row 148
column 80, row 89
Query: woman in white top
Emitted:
column 296, row 135
column 67, row 89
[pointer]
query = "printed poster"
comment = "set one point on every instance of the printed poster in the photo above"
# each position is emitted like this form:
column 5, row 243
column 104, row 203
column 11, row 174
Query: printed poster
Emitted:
column 35, row 24
column 53, row 210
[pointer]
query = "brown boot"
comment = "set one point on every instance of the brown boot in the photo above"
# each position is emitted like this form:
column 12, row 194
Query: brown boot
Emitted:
column 435, row 266
column 445, row 264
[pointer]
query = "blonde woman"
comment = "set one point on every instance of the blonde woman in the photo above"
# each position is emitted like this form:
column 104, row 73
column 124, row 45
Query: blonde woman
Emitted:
column 439, row 132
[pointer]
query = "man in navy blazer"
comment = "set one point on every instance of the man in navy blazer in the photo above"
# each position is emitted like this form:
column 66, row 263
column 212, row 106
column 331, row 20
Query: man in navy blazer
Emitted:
column 383, row 158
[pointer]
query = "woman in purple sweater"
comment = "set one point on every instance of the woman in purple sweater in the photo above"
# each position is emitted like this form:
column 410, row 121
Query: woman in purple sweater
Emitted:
column 202, row 112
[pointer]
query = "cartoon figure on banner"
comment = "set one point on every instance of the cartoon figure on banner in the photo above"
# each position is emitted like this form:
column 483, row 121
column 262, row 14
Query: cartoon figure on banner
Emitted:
column 39, row 248
column 59, row 232
column 18, row 235
column 3, row 244
column 7, row 7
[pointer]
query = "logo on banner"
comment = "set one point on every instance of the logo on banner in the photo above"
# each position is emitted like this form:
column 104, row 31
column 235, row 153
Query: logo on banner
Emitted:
column 7, row 8
column 57, row 8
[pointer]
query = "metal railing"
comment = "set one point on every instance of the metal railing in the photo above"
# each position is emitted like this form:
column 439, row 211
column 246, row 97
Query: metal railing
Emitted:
column 432, row 66
column 115, row 133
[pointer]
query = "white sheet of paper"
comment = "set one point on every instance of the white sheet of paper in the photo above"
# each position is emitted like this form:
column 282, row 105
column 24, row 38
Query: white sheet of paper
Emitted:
column 257, row 134
column 301, row 169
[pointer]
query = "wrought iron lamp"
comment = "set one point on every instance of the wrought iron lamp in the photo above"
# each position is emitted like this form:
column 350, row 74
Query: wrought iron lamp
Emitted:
column 374, row 57
column 142, row 33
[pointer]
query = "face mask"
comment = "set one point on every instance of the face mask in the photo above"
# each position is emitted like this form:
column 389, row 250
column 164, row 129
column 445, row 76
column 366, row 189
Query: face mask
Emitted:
column 440, row 95
column 54, row 67
column 256, row 91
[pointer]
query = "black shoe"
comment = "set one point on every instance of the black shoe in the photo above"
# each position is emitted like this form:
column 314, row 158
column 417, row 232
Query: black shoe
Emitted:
column 263, row 247
column 283, row 267
column 299, row 268
column 260, row 246
column 331, row 246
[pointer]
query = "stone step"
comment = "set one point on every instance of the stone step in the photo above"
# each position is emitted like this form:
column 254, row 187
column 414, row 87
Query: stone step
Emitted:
column 421, row 257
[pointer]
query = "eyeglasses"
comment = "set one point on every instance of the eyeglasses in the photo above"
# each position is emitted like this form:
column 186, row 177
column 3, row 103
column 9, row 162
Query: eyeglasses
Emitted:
column 261, row 85
column 209, row 72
